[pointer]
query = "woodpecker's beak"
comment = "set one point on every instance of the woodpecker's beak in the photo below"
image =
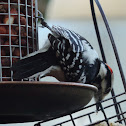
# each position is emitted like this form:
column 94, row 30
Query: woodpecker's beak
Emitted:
column 44, row 24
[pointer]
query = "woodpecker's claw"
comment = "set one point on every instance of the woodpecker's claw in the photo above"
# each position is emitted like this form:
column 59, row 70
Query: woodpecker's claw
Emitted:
column 98, row 105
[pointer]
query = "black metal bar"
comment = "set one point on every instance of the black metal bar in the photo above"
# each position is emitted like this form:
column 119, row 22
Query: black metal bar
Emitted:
column 86, row 108
column 100, row 44
column 62, row 122
column 92, row 124
column 102, row 109
column 101, row 101
column 121, row 120
column 113, row 43
column 97, row 30
column 97, row 34
column 116, row 116
column 114, row 97
column 115, row 101
column 90, row 118
column 72, row 120
column 122, row 114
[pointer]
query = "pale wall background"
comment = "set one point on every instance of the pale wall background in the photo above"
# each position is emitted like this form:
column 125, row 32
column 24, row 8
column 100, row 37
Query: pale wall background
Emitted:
column 81, row 8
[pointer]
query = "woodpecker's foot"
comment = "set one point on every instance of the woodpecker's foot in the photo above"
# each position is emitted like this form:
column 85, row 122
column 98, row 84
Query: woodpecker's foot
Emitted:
column 98, row 104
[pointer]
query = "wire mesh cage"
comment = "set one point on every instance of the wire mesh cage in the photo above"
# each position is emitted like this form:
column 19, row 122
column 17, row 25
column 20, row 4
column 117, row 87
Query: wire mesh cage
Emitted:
column 113, row 104
column 18, row 33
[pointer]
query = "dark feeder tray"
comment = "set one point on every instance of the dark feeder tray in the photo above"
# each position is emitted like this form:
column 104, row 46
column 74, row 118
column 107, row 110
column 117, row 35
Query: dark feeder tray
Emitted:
column 34, row 101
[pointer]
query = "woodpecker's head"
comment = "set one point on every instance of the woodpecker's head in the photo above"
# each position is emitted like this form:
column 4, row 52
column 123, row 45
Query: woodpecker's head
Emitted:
column 103, row 81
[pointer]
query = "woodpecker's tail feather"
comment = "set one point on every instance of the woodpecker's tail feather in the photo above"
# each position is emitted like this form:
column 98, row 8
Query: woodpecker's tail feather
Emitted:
column 32, row 65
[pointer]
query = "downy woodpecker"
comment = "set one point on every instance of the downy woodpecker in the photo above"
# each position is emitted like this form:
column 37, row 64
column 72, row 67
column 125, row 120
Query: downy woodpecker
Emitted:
column 69, row 57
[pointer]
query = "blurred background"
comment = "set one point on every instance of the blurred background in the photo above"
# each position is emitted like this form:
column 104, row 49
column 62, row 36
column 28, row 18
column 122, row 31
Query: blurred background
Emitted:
column 76, row 15
column 64, row 9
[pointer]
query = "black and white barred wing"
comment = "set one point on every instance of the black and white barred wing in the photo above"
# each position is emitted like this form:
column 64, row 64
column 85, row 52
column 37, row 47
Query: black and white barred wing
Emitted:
column 74, row 39
column 75, row 54
column 69, row 52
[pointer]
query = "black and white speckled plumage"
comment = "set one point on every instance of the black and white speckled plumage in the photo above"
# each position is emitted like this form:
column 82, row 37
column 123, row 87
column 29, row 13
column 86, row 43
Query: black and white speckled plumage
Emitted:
column 74, row 56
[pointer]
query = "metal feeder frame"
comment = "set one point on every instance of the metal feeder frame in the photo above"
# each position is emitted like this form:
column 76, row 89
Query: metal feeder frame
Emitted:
column 32, row 37
column 120, row 114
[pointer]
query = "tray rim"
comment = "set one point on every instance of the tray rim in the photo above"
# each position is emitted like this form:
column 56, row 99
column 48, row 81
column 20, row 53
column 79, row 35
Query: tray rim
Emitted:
column 74, row 84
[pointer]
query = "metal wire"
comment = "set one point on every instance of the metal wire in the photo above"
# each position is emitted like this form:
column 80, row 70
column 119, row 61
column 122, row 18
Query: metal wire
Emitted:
column 27, row 32
column 120, row 114
column 113, row 44
column 72, row 120
column 100, row 44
